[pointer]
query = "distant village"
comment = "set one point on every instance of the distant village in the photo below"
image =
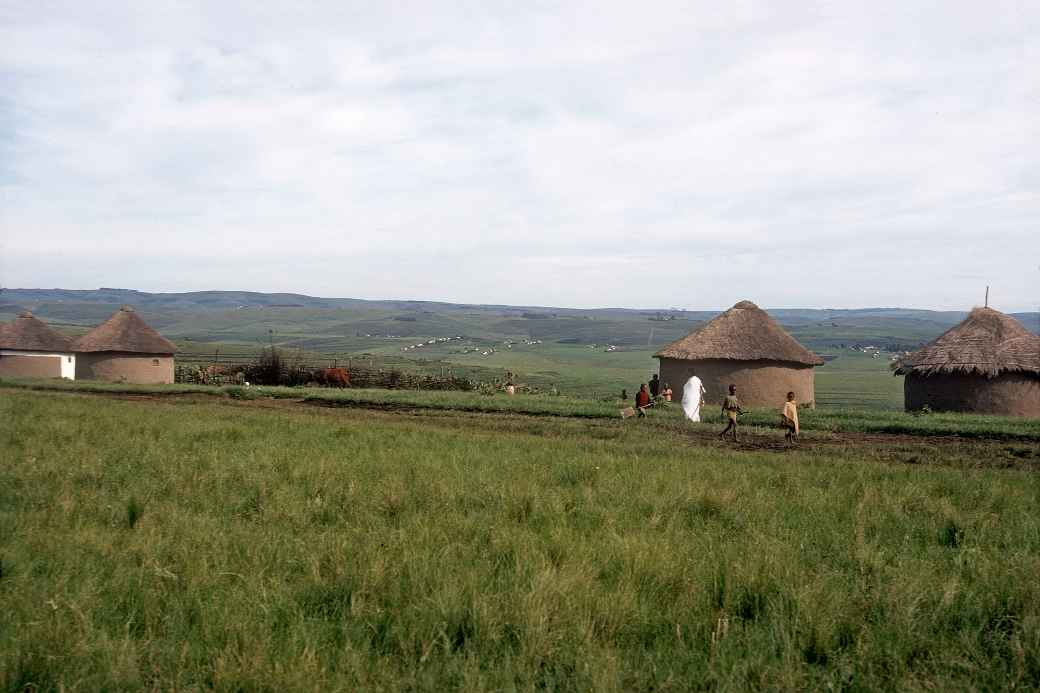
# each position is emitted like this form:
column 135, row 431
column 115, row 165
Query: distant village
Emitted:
column 986, row 364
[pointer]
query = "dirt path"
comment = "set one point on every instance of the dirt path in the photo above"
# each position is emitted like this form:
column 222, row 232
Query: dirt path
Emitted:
column 883, row 447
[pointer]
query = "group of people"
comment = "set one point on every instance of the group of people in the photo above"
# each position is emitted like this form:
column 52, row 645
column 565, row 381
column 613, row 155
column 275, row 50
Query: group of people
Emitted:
column 653, row 393
column 649, row 395
column 788, row 415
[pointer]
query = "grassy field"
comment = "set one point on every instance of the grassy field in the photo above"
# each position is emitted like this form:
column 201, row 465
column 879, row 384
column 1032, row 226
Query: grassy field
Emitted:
column 261, row 545
column 854, row 379
column 823, row 419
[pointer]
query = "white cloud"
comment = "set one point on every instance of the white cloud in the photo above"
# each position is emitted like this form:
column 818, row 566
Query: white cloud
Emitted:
column 584, row 154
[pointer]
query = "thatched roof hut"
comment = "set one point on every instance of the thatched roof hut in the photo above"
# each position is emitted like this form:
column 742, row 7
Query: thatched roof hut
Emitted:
column 744, row 347
column 125, row 332
column 28, row 333
column 989, row 363
column 125, row 349
column 29, row 348
column 745, row 332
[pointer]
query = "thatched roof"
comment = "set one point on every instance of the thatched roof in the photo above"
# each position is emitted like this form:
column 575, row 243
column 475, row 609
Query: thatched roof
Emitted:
column 28, row 333
column 125, row 331
column 987, row 342
column 745, row 332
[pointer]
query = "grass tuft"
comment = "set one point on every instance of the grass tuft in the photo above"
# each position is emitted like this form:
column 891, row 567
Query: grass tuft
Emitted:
column 951, row 535
column 754, row 600
column 134, row 511
column 327, row 602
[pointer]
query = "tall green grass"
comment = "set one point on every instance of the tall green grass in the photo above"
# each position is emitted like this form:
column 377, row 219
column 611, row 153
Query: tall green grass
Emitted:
column 316, row 549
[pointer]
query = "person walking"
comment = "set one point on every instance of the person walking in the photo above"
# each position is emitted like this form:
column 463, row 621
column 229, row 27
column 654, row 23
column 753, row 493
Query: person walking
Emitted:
column 643, row 400
column 789, row 419
column 692, row 398
column 667, row 392
column 730, row 409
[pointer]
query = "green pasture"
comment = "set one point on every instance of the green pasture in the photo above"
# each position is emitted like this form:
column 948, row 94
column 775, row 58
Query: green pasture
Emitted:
column 857, row 380
column 852, row 379
column 192, row 544
column 831, row 420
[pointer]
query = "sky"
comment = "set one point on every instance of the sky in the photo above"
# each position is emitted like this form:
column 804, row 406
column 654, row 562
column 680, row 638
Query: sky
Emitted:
column 592, row 154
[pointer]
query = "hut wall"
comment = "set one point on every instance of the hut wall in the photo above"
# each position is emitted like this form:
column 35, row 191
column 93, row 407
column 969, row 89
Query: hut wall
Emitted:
column 145, row 369
column 28, row 364
column 1009, row 394
column 15, row 364
column 760, row 384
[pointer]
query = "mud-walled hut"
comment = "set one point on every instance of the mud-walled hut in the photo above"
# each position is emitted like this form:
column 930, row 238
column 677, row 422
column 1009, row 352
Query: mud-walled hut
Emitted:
column 31, row 349
column 988, row 364
column 124, row 349
column 744, row 347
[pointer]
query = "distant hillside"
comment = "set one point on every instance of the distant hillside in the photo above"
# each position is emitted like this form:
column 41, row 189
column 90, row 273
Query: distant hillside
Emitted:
column 341, row 325
column 223, row 300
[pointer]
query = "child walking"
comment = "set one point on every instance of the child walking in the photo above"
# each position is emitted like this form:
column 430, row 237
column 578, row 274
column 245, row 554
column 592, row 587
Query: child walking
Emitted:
column 730, row 409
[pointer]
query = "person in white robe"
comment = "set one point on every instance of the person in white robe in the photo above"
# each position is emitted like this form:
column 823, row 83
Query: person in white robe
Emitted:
column 692, row 397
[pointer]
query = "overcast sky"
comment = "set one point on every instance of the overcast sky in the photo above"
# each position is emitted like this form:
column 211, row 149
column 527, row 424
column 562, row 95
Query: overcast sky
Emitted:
column 565, row 154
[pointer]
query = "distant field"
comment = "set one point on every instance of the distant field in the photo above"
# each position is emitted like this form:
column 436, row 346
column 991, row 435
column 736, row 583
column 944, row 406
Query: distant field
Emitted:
column 165, row 544
column 572, row 353
column 854, row 379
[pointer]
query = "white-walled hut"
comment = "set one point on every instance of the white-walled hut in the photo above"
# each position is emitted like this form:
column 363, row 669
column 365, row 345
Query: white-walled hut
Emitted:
column 125, row 349
column 744, row 347
column 29, row 348
column 987, row 364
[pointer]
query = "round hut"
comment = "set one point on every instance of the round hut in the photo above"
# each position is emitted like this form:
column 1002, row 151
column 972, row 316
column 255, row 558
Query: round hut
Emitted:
column 744, row 347
column 31, row 349
column 988, row 364
column 125, row 349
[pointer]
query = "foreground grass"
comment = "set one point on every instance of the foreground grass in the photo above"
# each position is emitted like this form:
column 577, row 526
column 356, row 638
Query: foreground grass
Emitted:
column 166, row 545
column 832, row 420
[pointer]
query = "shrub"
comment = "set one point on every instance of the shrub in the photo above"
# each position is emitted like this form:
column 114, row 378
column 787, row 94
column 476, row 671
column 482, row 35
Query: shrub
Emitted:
column 269, row 368
column 272, row 367
column 240, row 393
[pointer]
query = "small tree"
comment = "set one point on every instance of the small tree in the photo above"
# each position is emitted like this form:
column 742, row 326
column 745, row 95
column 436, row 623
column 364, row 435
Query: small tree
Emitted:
column 269, row 368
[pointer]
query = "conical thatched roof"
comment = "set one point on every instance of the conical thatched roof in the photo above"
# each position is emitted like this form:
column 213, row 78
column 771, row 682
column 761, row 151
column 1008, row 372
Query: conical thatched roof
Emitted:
column 987, row 342
column 29, row 333
column 745, row 332
column 125, row 331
